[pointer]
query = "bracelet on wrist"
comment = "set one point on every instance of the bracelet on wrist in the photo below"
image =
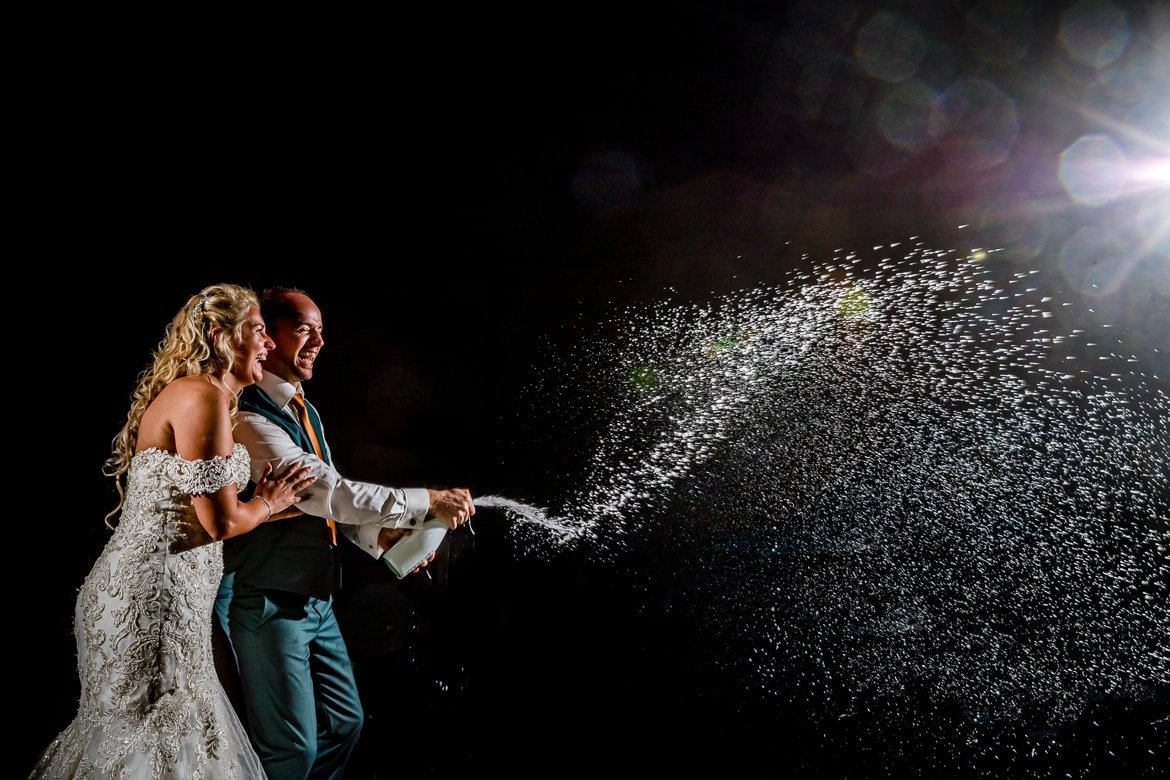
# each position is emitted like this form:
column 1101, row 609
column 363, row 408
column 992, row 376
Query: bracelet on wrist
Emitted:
column 268, row 504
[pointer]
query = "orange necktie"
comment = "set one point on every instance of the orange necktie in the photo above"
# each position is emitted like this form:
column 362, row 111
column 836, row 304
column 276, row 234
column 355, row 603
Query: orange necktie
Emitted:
column 298, row 403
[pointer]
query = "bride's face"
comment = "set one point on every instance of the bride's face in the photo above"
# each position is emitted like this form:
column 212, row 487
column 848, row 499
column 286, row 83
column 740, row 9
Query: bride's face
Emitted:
column 252, row 349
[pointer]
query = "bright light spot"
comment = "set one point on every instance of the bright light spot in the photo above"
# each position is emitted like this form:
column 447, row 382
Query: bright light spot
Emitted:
column 1155, row 173
column 856, row 304
column 644, row 378
column 1094, row 170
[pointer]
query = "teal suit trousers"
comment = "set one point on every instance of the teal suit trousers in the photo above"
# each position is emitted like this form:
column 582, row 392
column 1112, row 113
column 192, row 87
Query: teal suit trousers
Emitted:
column 301, row 700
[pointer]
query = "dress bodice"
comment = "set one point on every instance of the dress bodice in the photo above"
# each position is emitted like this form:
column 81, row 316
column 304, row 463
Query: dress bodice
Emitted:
column 159, row 486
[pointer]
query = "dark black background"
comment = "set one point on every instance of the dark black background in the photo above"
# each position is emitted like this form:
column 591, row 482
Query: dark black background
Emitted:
column 453, row 187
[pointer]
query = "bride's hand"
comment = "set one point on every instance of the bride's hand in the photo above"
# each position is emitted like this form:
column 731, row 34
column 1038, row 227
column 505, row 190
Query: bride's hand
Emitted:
column 281, row 490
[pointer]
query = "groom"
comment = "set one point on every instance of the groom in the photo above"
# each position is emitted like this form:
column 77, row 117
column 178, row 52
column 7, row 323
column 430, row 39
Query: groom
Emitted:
column 275, row 602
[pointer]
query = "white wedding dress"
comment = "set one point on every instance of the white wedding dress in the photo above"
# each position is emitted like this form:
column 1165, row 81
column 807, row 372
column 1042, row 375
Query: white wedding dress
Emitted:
column 151, row 703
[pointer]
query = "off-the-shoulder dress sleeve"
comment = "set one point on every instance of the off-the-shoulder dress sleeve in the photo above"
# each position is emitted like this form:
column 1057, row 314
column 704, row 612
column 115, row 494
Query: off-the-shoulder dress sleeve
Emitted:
column 197, row 477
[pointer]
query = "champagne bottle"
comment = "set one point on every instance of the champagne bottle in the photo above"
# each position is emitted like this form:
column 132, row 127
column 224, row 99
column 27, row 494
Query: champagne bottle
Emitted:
column 412, row 549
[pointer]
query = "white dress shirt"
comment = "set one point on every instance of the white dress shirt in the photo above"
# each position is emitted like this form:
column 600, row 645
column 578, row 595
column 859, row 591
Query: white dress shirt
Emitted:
column 360, row 509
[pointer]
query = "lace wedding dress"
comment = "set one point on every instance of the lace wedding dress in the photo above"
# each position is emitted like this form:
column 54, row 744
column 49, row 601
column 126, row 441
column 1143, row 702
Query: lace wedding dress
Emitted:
column 151, row 704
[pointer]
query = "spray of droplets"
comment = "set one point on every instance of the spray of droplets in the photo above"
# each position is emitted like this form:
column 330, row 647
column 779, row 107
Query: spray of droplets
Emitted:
column 890, row 474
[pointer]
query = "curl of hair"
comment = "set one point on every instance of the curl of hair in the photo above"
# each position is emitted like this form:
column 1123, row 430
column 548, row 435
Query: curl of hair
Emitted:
column 200, row 339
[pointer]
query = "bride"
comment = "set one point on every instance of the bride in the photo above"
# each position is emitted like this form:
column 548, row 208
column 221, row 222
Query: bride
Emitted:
column 151, row 704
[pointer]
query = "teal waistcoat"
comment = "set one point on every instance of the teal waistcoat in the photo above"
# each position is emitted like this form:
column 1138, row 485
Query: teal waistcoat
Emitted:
column 290, row 555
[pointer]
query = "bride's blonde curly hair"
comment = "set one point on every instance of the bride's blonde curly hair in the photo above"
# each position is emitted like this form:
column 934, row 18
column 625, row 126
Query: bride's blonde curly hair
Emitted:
column 201, row 339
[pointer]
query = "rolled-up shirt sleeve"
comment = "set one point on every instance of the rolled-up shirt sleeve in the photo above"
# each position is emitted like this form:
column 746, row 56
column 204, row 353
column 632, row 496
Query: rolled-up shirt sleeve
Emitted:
column 360, row 509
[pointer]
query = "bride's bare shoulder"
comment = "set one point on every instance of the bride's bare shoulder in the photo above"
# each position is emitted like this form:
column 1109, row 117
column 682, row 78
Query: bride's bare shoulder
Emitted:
column 188, row 390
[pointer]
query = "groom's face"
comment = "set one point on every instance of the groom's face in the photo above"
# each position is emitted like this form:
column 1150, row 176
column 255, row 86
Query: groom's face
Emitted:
column 298, row 340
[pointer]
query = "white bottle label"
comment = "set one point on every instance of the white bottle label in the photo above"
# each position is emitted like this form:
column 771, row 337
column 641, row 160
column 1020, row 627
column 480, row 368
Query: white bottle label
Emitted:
column 411, row 550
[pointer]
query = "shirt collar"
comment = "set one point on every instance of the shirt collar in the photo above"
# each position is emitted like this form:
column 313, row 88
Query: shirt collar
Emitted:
column 279, row 390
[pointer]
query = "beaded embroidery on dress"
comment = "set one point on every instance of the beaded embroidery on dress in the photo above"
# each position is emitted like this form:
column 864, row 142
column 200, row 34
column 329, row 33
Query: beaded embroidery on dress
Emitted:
column 151, row 704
